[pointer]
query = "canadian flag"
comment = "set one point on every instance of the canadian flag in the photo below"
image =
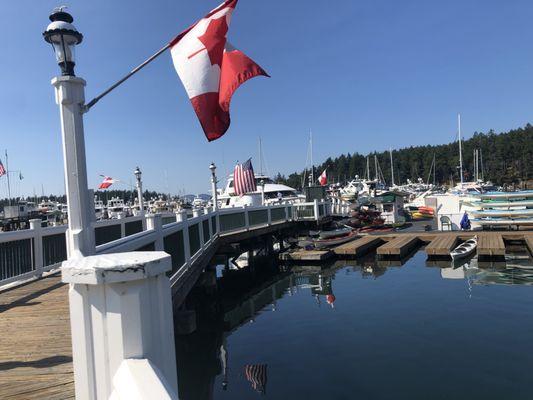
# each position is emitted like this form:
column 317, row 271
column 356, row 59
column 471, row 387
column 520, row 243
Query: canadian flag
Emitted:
column 106, row 182
column 323, row 179
column 211, row 69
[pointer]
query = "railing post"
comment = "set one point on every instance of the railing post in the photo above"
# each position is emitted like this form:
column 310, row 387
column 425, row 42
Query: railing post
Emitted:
column 246, row 218
column 38, row 257
column 201, row 214
column 122, row 228
column 144, row 221
column 181, row 216
column 120, row 309
column 209, row 216
column 269, row 215
column 186, row 244
column 154, row 222
column 316, row 209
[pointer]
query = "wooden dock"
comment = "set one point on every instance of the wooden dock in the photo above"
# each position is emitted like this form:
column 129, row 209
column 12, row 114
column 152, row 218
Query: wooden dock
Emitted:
column 490, row 245
column 397, row 245
column 441, row 245
column 358, row 247
column 35, row 345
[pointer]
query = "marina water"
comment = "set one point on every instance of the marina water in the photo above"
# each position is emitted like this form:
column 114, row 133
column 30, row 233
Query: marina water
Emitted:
column 364, row 329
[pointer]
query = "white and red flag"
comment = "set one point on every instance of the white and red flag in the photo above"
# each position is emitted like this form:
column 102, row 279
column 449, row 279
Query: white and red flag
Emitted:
column 211, row 69
column 323, row 179
column 108, row 181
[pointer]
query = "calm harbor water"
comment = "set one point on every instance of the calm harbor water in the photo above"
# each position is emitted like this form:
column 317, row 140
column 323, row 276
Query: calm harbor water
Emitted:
column 367, row 331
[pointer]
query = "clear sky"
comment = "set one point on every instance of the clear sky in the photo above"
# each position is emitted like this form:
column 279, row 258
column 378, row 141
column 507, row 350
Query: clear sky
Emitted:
column 363, row 75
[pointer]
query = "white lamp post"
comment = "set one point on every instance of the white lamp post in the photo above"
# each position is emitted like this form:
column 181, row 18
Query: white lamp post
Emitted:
column 213, row 169
column 70, row 96
column 139, row 185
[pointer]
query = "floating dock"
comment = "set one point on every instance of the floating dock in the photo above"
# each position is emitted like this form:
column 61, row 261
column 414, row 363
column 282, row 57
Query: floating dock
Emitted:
column 397, row 245
column 359, row 246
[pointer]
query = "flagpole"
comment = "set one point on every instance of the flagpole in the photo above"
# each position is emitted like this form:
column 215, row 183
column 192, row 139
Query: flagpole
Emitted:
column 8, row 183
column 91, row 103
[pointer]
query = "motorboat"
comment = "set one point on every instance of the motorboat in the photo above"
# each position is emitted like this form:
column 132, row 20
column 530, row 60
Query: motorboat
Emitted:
column 160, row 206
column 116, row 208
column 198, row 202
column 464, row 249
column 360, row 189
column 99, row 208
column 273, row 193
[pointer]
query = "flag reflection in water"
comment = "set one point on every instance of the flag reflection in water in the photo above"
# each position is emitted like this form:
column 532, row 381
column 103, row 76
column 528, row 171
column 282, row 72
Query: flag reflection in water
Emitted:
column 256, row 374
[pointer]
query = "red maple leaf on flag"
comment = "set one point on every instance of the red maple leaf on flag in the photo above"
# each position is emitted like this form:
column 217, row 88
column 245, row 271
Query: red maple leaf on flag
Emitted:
column 214, row 39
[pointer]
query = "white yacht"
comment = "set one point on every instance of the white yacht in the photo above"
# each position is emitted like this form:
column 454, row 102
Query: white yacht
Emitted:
column 160, row 206
column 99, row 208
column 116, row 208
column 198, row 202
column 274, row 193
column 360, row 189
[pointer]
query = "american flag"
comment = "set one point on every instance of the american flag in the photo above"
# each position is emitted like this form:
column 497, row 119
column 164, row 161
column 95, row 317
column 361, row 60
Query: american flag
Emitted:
column 257, row 375
column 2, row 169
column 243, row 178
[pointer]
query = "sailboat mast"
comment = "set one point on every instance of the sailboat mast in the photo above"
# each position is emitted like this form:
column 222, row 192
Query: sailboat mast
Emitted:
column 476, row 163
column 260, row 157
column 460, row 149
column 391, row 167
column 367, row 168
column 481, row 162
column 434, row 170
column 376, row 166
column 312, row 176
column 8, row 182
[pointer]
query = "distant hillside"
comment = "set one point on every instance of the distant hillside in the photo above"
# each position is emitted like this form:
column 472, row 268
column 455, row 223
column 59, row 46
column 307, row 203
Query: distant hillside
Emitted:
column 507, row 160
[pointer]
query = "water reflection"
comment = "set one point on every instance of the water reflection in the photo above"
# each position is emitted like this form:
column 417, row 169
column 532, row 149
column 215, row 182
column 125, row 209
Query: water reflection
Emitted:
column 516, row 270
column 220, row 358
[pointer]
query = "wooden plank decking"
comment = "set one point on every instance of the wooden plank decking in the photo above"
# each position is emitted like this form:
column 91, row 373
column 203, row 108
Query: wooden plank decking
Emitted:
column 35, row 346
column 358, row 247
column 490, row 244
column 400, row 246
column 442, row 245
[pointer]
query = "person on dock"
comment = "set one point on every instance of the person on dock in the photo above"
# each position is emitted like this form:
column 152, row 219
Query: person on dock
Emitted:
column 465, row 222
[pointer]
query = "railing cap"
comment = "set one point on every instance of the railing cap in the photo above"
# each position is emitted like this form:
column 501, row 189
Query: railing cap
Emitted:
column 115, row 267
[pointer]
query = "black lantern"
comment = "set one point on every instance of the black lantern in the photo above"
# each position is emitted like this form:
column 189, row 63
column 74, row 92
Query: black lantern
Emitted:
column 63, row 37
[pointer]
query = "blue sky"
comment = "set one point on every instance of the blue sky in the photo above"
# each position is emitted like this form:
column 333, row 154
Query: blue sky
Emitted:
column 363, row 75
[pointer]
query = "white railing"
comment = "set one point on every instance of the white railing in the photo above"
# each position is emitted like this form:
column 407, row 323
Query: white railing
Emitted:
column 121, row 304
column 29, row 253
column 340, row 207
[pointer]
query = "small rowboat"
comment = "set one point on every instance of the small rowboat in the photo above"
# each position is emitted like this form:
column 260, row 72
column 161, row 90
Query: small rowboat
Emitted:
column 464, row 249
column 322, row 243
column 334, row 233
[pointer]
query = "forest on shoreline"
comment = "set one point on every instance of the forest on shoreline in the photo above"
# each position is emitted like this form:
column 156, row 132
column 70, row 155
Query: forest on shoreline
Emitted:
column 506, row 160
